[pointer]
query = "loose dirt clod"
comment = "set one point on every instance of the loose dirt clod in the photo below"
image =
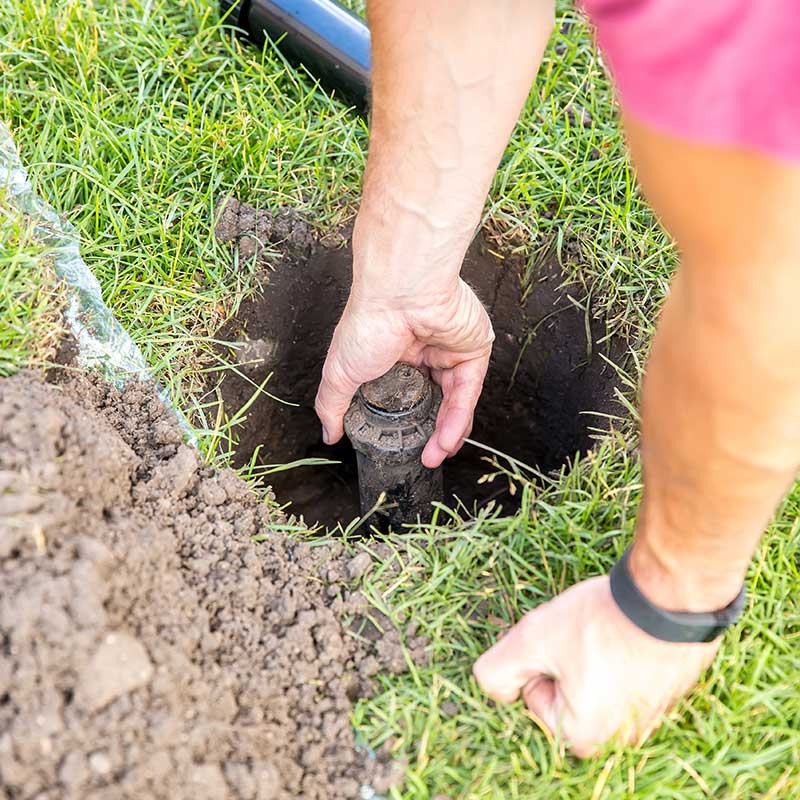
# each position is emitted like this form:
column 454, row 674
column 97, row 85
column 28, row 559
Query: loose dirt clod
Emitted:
column 253, row 229
column 149, row 648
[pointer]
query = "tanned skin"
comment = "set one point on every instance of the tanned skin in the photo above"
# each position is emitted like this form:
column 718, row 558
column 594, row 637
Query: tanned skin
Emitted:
column 720, row 427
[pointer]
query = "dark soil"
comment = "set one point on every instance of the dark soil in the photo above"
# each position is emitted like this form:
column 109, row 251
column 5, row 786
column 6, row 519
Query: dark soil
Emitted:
column 546, row 377
column 148, row 648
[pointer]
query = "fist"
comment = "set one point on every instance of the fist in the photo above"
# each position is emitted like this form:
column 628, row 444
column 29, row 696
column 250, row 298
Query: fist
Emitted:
column 586, row 672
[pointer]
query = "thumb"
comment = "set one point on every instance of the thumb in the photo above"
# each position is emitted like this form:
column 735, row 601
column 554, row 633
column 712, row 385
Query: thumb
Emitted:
column 515, row 660
column 335, row 392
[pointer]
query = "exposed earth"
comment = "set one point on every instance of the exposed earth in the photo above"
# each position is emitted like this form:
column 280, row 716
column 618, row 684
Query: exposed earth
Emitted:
column 149, row 647
column 549, row 389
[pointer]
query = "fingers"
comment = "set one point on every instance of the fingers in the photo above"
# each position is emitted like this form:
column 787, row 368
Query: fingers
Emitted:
column 369, row 340
column 513, row 661
column 526, row 660
column 433, row 453
column 461, row 388
column 586, row 673
column 512, row 666
column 365, row 344
column 543, row 699
column 335, row 392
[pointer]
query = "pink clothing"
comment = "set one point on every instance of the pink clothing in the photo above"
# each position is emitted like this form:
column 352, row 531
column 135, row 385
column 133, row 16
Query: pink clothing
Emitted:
column 723, row 72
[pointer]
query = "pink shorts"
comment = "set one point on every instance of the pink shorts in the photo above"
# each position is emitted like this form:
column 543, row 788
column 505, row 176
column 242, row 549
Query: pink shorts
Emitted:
column 721, row 72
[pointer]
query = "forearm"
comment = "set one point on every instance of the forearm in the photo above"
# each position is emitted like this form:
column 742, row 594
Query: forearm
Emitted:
column 720, row 444
column 720, row 423
column 449, row 79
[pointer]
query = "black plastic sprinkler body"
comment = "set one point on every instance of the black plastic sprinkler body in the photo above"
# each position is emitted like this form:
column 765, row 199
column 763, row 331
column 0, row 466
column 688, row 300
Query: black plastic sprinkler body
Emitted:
column 324, row 36
column 388, row 423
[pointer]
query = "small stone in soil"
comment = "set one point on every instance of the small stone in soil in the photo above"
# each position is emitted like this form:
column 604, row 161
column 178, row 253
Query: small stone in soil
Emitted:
column 120, row 665
column 358, row 566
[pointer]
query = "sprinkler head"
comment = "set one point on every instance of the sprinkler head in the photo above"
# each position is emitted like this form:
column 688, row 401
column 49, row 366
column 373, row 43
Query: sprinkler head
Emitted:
column 388, row 423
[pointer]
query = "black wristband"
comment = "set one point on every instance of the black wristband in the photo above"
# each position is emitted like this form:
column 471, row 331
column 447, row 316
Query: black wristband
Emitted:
column 669, row 626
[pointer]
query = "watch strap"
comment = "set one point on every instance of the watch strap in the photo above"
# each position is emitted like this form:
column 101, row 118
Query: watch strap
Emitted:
column 669, row 626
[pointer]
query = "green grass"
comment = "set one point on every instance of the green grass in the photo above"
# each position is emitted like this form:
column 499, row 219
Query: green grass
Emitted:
column 132, row 117
column 31, row 301
column 735, row 737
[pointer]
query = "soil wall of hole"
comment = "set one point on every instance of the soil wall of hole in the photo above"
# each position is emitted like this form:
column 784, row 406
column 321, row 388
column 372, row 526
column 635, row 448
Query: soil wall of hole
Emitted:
column 547, row 374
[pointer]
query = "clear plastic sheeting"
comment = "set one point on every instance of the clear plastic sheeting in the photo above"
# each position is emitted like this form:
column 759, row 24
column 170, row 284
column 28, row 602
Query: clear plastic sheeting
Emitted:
column 103, row 344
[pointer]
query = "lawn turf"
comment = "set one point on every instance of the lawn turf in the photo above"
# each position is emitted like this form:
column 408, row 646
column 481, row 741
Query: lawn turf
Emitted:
column 133, row 116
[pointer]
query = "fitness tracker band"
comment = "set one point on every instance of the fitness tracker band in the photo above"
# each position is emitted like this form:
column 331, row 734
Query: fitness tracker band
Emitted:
column 669, row 626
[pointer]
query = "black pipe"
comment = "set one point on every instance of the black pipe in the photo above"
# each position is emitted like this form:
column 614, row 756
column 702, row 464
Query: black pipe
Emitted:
column 324, row 36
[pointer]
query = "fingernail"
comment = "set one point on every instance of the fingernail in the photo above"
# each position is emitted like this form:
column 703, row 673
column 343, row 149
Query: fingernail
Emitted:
column 326, row 437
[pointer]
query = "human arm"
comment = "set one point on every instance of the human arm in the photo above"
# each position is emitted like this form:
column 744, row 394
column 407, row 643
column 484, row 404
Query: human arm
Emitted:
column 449, row 79
column 720, row 445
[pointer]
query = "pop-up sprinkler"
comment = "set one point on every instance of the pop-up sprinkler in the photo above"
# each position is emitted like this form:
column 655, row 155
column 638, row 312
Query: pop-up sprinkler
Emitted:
column 388, row 423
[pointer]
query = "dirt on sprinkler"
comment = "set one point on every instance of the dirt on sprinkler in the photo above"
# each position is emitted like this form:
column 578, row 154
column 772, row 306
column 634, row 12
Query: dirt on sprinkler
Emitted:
column 549, row 389
column 149, row 648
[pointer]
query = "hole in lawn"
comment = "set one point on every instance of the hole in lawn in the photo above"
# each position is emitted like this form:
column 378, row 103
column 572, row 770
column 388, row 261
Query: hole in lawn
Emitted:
column 547, row 369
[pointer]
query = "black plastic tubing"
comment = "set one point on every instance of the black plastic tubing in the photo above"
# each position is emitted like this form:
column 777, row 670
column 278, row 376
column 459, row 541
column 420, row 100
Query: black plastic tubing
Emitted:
column 324, row 36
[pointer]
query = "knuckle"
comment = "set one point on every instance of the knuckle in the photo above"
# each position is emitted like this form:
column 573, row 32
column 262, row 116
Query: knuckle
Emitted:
column 580, row 748
column 490, row 683
column 319, row 407
column 325, row 409
column 336, row 375
column 481, row 673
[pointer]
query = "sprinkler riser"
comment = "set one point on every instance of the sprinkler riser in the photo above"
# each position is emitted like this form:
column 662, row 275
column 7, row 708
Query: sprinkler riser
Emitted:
column 389, row 422
column 409, row 489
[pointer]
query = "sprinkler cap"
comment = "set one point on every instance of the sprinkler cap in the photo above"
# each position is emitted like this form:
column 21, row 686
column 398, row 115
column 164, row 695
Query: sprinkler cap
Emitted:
column 397, row 393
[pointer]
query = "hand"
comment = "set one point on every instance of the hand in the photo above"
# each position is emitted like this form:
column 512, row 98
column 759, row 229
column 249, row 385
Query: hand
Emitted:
column 448, row 332
column 587, row 672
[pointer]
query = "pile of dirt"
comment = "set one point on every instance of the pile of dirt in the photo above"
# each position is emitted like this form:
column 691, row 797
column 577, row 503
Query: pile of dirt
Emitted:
column 151, row 649
column 549, row 388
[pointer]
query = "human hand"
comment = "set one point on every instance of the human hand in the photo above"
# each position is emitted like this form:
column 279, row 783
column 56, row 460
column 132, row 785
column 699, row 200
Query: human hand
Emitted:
column 587, row 672
column 448, row 332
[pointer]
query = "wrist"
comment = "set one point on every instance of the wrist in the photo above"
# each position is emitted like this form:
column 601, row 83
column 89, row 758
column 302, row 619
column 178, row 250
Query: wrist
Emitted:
column 680, row 583
column 402, row 252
